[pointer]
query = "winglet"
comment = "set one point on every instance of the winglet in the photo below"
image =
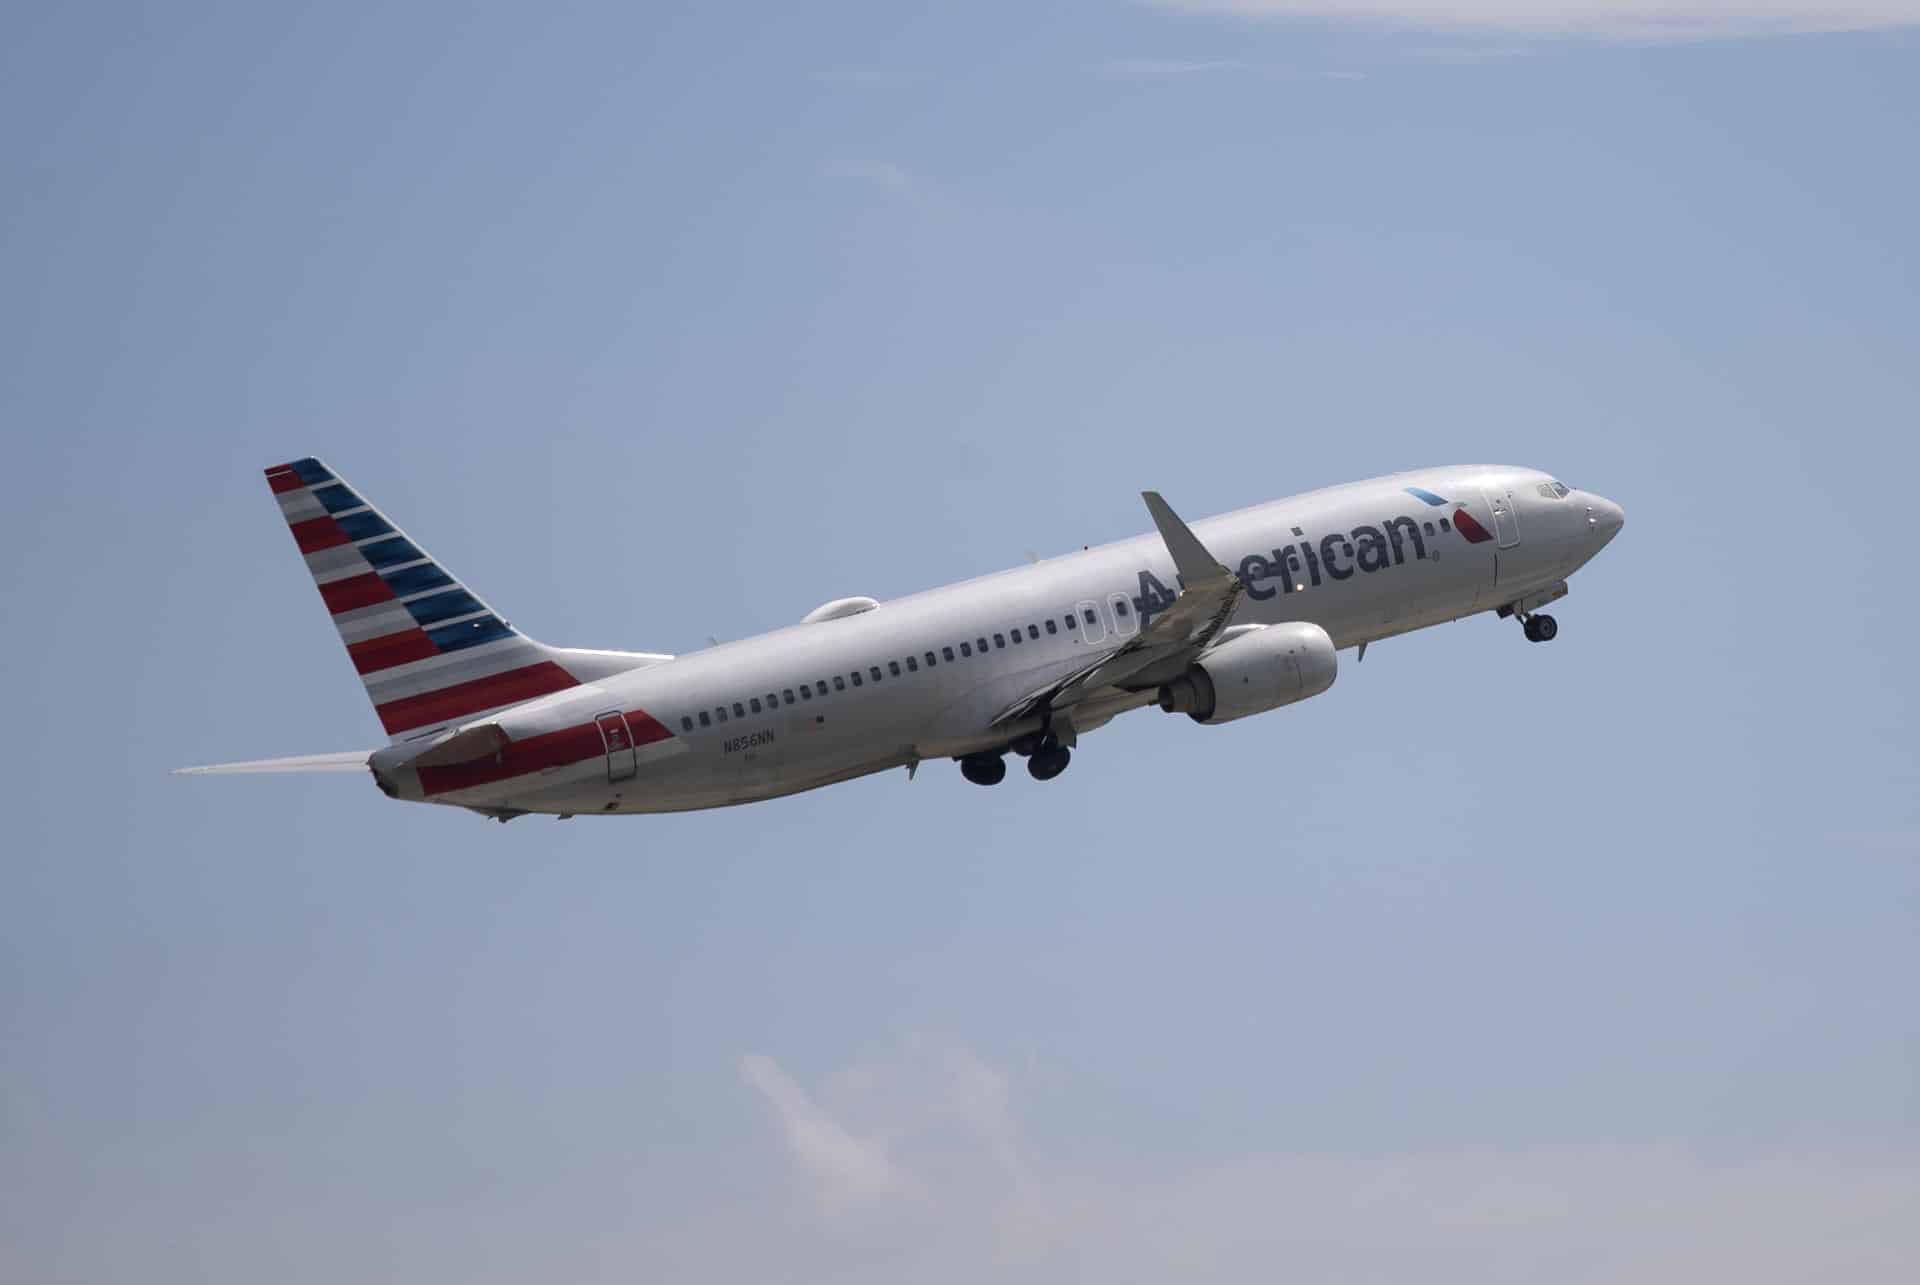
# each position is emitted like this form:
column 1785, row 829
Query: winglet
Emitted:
column 1190, row 557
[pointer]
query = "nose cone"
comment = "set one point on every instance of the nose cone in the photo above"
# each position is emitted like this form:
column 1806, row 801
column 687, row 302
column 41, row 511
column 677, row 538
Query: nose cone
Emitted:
column 1606, row 517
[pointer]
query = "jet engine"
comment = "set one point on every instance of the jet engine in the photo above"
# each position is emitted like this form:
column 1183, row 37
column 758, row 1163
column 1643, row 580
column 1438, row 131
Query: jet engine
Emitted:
column 1262, row 669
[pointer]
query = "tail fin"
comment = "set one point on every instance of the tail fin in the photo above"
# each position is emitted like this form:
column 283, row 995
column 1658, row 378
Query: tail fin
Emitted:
column 429, row 651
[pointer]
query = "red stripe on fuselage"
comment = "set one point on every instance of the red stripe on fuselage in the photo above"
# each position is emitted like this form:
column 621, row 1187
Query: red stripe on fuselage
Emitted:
column 542, row 678
column 1464, row 523
column 646, row 728
column 376, row 654
column 317, row 533
column 551, row 749
column 577, row 744
column 283, row 479
column 355, row 591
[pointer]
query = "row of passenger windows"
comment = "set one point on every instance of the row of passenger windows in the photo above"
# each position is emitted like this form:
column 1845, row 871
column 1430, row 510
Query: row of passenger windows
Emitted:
column 1052, row 625
column 1016, row 636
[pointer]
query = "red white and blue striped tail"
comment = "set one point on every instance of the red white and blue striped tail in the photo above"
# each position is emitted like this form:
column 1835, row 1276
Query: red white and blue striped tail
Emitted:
column 431, row 653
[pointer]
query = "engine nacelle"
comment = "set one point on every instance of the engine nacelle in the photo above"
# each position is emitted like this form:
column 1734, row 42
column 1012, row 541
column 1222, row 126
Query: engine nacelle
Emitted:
column 1260, row 670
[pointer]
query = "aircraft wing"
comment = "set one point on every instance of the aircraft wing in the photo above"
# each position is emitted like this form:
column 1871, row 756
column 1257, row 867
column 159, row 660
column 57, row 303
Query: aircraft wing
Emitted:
column 344, row 761
column 1208, row 594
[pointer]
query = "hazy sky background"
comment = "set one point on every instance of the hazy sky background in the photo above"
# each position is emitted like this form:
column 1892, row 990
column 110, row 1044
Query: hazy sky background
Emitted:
column 1498, row 963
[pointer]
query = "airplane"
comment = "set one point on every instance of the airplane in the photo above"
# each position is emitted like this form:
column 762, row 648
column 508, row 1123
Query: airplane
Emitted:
column 1233, row 616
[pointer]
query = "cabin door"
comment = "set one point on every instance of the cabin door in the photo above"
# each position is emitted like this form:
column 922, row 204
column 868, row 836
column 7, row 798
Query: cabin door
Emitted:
column 1506, row 525
column 622, row 762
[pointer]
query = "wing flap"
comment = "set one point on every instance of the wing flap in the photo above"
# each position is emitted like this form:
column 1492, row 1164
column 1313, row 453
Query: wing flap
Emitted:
column 1207, row 597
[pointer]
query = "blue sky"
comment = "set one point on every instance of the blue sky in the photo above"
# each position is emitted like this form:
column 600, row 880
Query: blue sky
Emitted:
column 1496, row 963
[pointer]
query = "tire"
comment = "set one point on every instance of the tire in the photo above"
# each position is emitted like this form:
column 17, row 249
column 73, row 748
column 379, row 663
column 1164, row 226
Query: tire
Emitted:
column 1049, row 763
column 984, row 769
column 1545, row 628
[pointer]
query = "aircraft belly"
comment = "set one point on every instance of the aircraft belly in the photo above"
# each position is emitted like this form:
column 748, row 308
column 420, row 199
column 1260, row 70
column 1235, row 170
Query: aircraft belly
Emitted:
column 962, row 721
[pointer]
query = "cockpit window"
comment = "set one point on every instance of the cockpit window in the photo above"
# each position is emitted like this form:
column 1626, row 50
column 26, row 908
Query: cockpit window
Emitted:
column 1555, row 490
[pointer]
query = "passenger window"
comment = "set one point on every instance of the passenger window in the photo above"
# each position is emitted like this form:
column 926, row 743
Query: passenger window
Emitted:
column 893, row 667
column 1000, row 641
column 686, row 724
column 839, row 683
column 739, row 710
column 873, row 672
column 720, row 712
column 1015, row 631
column 788, row 691
column 773, row 702
column 856, row 677
column 1051, row 627
column 1033, row 633
column 981, row 643
column 931, row 661
column 1120, row 607
column 1091, row 619
column 966, row 649
column 754, row 702
column 913, row 666
column 806, row 692
column 704, row 720
column 1068, row 621
column 820, row 687
column 1429, row 528
column 948, row 652
column 1444, row 526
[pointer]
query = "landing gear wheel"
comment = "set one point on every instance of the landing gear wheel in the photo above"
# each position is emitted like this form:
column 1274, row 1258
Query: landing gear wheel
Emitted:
column 984, row 769
column 1541, row 628
column 1046, row 764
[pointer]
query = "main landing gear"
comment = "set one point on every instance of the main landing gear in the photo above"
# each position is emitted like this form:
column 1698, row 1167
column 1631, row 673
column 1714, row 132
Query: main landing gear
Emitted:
column 1539, row 628
column 1046, row 759
column 1049, row 761
column 984, row 769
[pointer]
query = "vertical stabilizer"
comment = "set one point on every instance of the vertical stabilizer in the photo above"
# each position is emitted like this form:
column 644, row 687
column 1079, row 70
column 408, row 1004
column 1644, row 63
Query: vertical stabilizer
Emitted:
column 430, row 653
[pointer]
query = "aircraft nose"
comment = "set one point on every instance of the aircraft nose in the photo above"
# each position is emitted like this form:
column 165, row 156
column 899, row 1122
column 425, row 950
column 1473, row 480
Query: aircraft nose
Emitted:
column 1605, row 517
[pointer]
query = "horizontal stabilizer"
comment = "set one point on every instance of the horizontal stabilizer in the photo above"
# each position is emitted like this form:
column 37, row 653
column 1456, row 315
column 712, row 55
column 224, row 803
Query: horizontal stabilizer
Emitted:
column 344, row 761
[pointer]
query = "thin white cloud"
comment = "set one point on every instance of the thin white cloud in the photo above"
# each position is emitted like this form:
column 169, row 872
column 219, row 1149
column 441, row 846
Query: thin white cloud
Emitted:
column 844, row 1171
column 1600, row 19
column 1469, row 53
column 986, row 1204
column 1893, row 842
column 879, row 173
column 864, row 78
column 1165, row 68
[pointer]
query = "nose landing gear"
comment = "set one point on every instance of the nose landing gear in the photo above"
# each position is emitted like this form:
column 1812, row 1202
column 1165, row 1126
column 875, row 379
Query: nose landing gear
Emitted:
column 1535, row 624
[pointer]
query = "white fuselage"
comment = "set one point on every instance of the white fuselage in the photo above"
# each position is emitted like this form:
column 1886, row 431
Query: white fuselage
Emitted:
column 783, row 712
